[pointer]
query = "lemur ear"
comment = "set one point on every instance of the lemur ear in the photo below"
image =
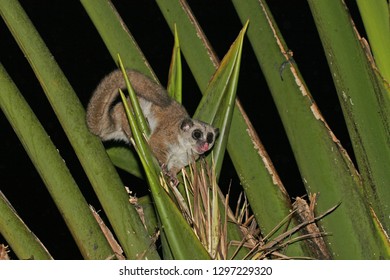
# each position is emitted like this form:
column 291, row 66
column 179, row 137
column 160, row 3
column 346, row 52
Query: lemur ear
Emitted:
column 186, row 124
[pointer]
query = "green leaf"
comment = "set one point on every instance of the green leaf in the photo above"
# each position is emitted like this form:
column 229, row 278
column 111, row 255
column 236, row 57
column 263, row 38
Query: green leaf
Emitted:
column 218, row 102
column 116, row 36
column 174, row 87
column 125, row 159
column 259, row 179
column 323, row 163
column 376, row 19
column 176, row 229
column 118, row 40
column 216, row 107
column 56, row 176
column 141, row 120
column 364, row 101
column 88, row 148
column 22, row 241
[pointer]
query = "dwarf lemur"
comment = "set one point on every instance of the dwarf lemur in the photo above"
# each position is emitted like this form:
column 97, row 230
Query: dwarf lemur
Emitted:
column 175, row 139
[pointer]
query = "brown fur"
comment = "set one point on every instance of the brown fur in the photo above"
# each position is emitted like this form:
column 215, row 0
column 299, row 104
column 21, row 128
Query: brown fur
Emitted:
column 172, row 143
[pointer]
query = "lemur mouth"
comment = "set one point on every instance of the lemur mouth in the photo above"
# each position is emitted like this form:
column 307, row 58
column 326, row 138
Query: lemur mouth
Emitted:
column 202, row 148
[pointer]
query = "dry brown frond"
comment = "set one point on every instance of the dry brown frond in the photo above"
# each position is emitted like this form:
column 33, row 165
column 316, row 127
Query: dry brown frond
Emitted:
column 117, row 249
column 268, row 248
column 207, row 210
column 204, row 208
column 304, row 212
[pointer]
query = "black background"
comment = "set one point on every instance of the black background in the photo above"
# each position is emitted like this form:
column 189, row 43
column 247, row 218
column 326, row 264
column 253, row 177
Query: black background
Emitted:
column 81, row 54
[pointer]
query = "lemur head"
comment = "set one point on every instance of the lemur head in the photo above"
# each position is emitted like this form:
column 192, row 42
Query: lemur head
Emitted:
column 200, row 136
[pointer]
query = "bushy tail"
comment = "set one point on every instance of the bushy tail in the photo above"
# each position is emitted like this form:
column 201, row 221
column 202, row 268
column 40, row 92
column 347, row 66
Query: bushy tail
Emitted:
column 107, row 120
column 99, row 119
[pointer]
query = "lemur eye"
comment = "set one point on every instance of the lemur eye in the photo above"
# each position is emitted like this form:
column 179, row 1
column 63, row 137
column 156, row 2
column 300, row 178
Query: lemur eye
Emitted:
column 210, row 138
column 197, row 134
